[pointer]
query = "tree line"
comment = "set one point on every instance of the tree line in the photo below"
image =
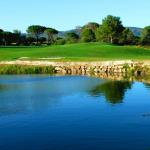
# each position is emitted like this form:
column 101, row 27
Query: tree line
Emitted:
column 111, row 30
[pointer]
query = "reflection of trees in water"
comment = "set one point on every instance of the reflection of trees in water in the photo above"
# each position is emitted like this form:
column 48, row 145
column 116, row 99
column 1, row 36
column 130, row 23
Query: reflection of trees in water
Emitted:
column 147, row 85
column 3, row 87
column 25, row 94
column 113, row 91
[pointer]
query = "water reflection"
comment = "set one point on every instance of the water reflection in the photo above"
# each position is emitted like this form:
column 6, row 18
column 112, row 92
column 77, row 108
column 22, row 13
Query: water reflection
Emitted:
column 147, row 85
column 113, row 91
column 33, row 93
column 28, row 93
column 36, row 111
column 3, row 87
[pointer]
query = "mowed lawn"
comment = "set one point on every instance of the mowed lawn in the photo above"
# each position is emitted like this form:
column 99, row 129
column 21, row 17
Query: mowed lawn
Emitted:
column 76, row 52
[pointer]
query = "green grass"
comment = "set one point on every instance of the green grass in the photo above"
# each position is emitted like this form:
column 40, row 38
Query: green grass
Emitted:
column 76, row 52
column 17, row 69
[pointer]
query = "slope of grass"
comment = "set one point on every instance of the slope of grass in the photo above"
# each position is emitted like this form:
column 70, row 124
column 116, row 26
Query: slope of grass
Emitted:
column 76, row 52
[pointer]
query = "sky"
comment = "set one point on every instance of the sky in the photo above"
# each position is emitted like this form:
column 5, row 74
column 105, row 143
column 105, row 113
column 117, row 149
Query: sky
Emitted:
column 67, row 14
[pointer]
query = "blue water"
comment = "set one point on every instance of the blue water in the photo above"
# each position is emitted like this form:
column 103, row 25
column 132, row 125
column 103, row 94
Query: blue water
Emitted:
column 73, row 113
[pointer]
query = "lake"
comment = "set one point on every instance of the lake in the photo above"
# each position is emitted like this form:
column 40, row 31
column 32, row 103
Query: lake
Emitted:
column 73, row 113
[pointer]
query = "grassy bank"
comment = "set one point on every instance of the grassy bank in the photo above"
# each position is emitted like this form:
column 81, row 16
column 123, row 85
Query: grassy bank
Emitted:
column 76, row 52
column 17, row 69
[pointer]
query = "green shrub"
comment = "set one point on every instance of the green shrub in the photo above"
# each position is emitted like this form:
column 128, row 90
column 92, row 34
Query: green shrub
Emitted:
column 60, row 42
column 18, row 69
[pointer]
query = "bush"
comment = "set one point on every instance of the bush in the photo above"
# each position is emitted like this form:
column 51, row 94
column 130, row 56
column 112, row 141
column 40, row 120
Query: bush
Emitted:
column 18, row 69
column 60, row 42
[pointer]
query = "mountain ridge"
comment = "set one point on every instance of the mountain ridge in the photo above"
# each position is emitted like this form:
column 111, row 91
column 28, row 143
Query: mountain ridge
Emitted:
column 136, row 31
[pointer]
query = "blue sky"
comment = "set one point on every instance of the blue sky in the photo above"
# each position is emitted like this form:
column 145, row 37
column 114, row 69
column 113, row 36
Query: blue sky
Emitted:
column 67, row 14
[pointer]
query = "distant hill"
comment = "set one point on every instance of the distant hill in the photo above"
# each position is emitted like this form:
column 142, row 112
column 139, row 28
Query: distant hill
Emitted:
column 62, row 33
column 136, row 31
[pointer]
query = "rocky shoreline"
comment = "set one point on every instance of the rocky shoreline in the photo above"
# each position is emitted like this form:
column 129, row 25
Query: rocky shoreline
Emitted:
column 121, row 67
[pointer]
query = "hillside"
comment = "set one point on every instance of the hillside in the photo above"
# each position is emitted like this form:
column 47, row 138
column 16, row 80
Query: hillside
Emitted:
column 136, row 31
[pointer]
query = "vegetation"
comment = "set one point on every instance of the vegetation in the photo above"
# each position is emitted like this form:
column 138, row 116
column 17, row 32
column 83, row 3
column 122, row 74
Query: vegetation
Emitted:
column 50, row 32
column 88, row 32
column 71, row 37
column 127, row 37
column 145, row 36
column 87, row 35
column 16, row 69
column 110, row 31
column 107, row 41
column 36, row 31
column 76, row 52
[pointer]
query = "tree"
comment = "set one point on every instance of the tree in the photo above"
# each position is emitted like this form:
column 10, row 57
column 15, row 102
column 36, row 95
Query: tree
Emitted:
column 92, row 25
column 17, row 36
column 36, row 31
column 50, row 32
column 71, row 37
column 78, row 30
column 7, row 38
column 1, row 31
column 17, row 32
column 30, row 40
column 1, row 36
column 145, row 36
column 127, row 37
column 87, row 35
column 42, row 40
column 110, row 30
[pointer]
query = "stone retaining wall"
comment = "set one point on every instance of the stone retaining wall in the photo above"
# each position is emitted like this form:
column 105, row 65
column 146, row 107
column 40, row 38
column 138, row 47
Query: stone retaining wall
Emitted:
column 89, row 67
